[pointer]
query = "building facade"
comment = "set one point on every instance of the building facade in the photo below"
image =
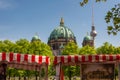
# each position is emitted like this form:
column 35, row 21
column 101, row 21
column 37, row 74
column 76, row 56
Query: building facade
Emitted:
column 90, row 39
column 59, row 37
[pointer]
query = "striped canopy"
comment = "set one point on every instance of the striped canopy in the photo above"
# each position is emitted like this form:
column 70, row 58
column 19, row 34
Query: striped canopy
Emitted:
column 24, row 61
column 76, row 59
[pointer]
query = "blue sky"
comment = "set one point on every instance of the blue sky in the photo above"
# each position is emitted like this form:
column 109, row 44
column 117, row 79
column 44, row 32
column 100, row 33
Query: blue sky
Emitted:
column 24, row 18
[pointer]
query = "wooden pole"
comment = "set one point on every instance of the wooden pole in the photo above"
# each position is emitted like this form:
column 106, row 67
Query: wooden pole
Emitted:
column 118, row 71
column 46, row 73
column 36, row 73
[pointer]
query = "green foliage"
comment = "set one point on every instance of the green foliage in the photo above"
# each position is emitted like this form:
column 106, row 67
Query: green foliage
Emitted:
column 42, row 72
column 71, row 71
column 117, row 50
column 106, row 49
column 6, row 46
column 83, row 2
column 87, row 50
column 40, row 48
column 113, row 16
column 35, row 47
column 11, row 71
column 25, row 47
column 22, row 46
column 70, row 49
column 51, row 70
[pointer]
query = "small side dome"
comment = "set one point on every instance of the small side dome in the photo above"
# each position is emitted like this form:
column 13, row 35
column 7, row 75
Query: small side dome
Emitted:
column 35, row 38
column 87, row 38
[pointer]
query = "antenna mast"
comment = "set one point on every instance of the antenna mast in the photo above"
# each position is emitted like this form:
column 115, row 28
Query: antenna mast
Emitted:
column 93, row 32
column 92, row 15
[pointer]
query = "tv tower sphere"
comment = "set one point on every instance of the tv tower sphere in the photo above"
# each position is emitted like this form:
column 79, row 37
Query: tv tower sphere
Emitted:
column 93, row 33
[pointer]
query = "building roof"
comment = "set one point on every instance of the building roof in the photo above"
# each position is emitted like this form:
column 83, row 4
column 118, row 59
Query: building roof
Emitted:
column 87, row 38
column 35, row 37
column 61, row 32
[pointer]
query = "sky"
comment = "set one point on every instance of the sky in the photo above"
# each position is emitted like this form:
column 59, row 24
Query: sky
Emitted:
column 24, row 18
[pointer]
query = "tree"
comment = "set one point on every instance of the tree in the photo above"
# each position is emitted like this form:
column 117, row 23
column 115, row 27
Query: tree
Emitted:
column 82, row 3
column 3, row 47
column 22, row 46
column 7, row 46
column 87, row 50
column 35, row 47
column 70, row 49
column 112, row 16
column 40, row 48
column 107, row 48
column 117, row 50
column 45, row 50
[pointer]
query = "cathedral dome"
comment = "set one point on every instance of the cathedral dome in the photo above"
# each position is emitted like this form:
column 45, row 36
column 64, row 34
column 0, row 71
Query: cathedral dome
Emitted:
column 59, row 37
column 61, row 32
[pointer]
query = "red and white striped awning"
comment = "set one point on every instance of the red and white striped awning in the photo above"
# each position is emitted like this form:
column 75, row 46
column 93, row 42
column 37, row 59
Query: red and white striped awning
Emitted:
column 85, row 58
column 20, row 58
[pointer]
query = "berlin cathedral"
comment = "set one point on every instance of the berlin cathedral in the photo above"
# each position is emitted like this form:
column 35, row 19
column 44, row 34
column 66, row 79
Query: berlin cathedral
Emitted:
column 61, row 35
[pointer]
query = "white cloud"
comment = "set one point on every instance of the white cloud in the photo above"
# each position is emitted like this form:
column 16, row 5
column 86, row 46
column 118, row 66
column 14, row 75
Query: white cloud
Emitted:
column 5, row 4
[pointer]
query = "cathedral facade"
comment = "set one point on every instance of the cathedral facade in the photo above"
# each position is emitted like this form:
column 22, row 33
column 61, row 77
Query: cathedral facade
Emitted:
column 61, row 35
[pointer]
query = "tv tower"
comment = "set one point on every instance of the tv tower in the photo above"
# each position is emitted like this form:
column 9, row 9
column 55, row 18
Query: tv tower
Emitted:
column 93, row 32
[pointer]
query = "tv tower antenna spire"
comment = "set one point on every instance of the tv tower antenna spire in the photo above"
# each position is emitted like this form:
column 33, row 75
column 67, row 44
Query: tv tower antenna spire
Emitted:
column 92, row 15
column 93, row 32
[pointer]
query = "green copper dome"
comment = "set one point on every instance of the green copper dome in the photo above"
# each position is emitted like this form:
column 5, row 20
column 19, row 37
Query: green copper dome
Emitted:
column 87, row 38
column 35, row 37
column 61, row 32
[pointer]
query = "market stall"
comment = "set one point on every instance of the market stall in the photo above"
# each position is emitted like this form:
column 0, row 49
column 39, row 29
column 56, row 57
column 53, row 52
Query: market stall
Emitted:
column 23, row 61
column 96, row 63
